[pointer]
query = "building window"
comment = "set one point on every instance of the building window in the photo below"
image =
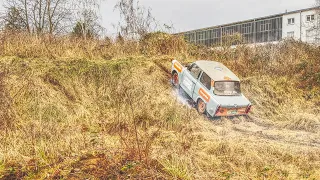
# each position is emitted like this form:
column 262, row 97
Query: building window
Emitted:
column 291, row 21
column 290, row 34
column 310, row 18
column 246, row 28
column 228, row 32
column 215, row 33
column 200, row 35
column 311, row 35
column 265, row 27
column 209, row 34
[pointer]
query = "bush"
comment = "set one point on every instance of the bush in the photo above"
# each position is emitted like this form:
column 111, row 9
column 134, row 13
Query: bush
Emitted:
column 160, row 43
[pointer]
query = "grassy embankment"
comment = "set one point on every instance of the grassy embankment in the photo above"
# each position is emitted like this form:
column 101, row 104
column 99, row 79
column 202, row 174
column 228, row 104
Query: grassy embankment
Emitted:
column 75, row 109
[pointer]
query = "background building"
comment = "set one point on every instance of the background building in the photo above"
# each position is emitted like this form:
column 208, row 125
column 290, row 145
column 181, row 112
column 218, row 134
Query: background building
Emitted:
column 300, row 25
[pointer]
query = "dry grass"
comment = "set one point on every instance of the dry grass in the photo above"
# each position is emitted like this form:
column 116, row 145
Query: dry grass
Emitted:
column 26, row 46
column 97, row 109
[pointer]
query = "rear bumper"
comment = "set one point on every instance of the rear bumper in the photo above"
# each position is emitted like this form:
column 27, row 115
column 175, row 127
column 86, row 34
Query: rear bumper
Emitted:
column 226, row 112
column 230, row 115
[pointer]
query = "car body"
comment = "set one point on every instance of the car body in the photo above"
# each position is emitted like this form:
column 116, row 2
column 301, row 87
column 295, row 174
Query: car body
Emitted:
column 212, row 86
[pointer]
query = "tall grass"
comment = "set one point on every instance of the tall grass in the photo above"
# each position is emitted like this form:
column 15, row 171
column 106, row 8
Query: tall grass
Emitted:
column 97, row 108
column 6, row 114
column 28, row 46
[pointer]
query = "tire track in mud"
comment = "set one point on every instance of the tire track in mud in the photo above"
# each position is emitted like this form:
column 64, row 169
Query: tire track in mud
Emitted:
column 269, row 127
column 269, row 133
column 163, row 68
column 252, row 127
column 276, row 138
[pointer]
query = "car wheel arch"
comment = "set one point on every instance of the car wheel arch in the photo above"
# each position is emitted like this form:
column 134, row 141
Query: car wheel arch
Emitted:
column 174, row 71
column 198, row 99
column 177, row 83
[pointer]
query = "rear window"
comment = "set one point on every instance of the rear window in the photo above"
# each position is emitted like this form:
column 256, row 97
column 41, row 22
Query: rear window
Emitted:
column 227, row 88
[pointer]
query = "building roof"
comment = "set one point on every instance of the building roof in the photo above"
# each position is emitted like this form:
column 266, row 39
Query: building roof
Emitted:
column 217, row 71
column 255, row 19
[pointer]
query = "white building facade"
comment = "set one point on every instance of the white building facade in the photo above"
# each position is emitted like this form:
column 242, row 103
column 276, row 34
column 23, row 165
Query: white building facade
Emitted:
column 301, row 25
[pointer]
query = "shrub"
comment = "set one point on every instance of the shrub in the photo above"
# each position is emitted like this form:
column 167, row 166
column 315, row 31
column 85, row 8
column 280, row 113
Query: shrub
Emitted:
column 160, row 43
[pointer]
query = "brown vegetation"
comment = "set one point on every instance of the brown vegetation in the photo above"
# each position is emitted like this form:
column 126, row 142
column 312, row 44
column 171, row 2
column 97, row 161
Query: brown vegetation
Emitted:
column 100, row 109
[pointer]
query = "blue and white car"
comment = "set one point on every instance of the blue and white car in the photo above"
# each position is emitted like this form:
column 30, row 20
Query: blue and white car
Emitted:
column 212, row 87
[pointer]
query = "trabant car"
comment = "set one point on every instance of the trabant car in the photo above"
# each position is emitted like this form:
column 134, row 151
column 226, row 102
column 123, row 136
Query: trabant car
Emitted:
column 212, row 87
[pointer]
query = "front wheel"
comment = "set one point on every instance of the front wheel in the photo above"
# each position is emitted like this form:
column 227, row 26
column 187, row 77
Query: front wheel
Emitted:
column 175, row 80
column 201, row 106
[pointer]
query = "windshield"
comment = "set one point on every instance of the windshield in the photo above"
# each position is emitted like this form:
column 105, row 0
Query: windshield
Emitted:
column 227, row 88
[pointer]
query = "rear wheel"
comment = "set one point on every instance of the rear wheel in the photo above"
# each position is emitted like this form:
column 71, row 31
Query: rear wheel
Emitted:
column 175, row 80
column 201, row 106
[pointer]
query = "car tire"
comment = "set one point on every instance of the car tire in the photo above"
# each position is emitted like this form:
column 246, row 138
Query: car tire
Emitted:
column 175, row 80
column 201, row 106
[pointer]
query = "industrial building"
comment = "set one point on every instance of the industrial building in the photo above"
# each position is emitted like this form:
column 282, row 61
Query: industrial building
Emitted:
column 300, row 25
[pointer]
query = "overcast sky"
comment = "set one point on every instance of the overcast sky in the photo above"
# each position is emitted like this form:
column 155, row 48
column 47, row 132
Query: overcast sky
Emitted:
column 192, row 14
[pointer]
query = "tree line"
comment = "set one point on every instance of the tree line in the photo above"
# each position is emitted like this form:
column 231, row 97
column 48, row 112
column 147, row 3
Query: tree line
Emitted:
column 52, row 17
column 80, row 18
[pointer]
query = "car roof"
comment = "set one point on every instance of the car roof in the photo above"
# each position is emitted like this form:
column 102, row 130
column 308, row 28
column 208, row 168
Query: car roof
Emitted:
column 217, row 71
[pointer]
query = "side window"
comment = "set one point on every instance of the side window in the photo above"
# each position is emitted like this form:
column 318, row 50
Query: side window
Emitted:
column 195, row 71
column 206, row 80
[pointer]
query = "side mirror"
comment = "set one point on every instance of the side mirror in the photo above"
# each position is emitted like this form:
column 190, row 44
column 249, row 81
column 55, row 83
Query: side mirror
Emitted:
column 188, row 65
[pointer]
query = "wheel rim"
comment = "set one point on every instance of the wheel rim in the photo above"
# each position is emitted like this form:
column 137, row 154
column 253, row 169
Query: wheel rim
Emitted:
column 201, row 106
column 175, row 79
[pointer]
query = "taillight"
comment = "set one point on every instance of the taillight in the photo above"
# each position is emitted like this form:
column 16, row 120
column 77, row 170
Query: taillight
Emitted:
column 218, row 109
column 248, row 109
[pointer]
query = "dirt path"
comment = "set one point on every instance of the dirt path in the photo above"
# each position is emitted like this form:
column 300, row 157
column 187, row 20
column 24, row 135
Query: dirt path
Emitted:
column 277, row 135
column 241, row 130
column 253, row 129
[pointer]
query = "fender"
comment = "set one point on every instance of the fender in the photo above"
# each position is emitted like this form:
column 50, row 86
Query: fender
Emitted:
column 177, row 66
column 211, row 101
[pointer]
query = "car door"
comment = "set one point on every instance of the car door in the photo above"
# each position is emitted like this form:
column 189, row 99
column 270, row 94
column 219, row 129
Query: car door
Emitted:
column 202, row 88
column 204, row 91
column 189, row 79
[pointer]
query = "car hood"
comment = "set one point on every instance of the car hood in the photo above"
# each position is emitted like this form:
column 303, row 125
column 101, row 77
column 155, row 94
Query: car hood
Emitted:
column 232, row 101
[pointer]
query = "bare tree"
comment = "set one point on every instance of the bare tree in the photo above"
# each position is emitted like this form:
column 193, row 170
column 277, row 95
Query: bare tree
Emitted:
column 136, row 21
column 38, row 16
column 16, row 15
column 87, row 18
column 313, row 25
column 58, row 16
column 11, row 20
column 169, row 28
column 317, row 25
